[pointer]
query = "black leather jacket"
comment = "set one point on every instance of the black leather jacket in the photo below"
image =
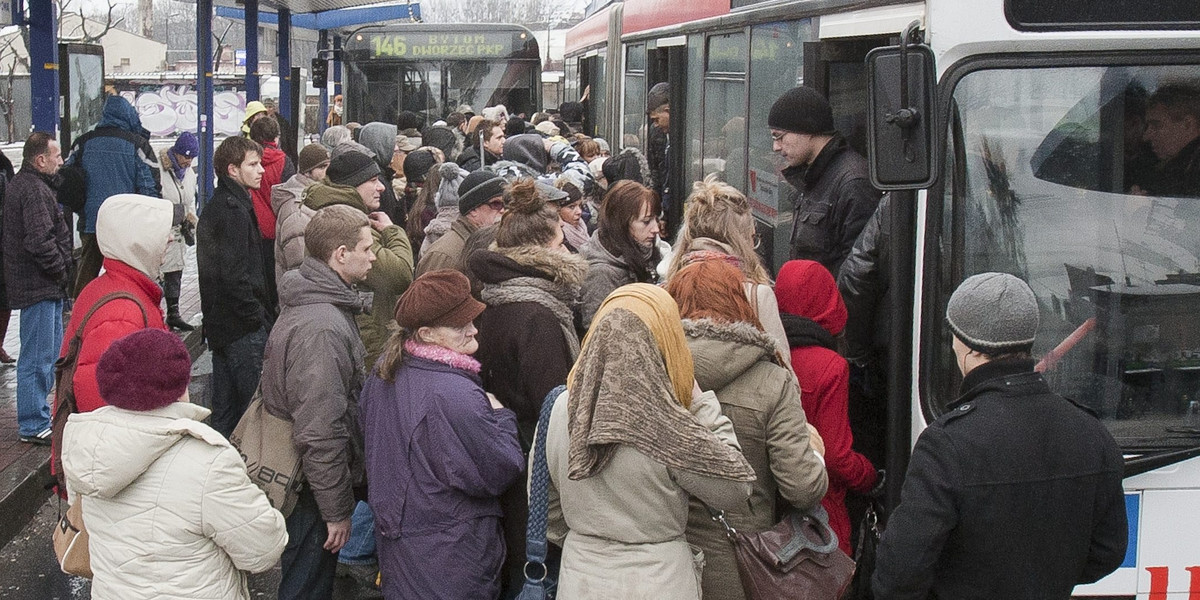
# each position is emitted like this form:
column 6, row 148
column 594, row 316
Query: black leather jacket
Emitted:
column 1015, row 493
column 863, row 281
column 833, row 200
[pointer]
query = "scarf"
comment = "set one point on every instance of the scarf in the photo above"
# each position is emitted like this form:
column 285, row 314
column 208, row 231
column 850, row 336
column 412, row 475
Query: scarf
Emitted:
column 577, row 235
column 803, row 332
column 546, row 293
column 632, row 384
column 176, row 170
column 441, row 354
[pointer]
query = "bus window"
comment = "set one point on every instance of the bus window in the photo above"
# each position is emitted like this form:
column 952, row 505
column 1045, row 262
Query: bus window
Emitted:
column 776, row 65
column 1060, row 178
column 724, row 146
column 633, row 129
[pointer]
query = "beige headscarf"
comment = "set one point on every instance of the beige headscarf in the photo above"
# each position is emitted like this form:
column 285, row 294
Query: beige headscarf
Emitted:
column 632, row 385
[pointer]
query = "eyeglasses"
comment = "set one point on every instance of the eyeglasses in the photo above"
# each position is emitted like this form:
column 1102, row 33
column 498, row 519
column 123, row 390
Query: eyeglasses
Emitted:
column 496, row 205
column 778, row 135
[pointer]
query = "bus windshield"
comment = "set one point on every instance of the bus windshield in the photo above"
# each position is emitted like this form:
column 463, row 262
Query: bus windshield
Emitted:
column 1083, row 182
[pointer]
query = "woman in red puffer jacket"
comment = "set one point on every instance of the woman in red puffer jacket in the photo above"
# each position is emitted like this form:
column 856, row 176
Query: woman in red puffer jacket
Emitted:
column 813, row 315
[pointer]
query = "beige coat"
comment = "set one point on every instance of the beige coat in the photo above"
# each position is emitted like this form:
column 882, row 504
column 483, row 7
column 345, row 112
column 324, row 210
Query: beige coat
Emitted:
column 762, row 399
column 622, row 530
column 447, row 252
column 179, row 193
column 291, row 217
column 168, row 505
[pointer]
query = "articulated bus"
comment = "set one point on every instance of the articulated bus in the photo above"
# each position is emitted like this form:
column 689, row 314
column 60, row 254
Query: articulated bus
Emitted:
column 432, row 69
column 1035, row 116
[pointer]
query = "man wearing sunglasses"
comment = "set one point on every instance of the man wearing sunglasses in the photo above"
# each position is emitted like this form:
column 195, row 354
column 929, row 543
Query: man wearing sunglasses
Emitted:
column 833, row 196
column 480, row 204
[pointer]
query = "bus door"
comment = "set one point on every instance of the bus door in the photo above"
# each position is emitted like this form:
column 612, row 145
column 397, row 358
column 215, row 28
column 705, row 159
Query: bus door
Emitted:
column 837, row 69
column 666, row 61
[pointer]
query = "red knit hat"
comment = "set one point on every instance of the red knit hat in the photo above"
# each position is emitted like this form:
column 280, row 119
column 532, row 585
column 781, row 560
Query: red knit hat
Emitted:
column 145, row 370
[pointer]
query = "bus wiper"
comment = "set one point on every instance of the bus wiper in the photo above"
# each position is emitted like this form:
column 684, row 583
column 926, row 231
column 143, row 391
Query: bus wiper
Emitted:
column 1149, row 462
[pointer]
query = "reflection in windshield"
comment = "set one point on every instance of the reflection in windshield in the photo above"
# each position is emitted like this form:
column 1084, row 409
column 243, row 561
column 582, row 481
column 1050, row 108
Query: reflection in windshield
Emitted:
column 1065, row 184
column 381, row 90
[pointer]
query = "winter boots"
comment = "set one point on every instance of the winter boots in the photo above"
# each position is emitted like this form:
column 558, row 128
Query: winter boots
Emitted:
column 174, row 321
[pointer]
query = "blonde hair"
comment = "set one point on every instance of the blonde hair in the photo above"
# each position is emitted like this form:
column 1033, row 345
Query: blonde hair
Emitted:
column 718, row 211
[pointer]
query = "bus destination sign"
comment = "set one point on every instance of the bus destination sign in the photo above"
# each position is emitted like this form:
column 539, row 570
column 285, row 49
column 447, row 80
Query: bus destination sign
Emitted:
column 438, row 45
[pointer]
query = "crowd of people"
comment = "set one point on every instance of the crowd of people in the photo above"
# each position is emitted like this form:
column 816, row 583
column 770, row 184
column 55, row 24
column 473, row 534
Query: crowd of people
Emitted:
column 408, row 300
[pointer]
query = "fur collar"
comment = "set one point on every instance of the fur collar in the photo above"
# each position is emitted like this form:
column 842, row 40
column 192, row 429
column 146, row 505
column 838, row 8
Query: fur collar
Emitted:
column 442, row 355
column 564, row 269
column 737, row 333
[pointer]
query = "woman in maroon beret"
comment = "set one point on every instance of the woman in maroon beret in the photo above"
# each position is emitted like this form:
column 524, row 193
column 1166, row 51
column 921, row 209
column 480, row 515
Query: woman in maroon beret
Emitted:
column 440, row 450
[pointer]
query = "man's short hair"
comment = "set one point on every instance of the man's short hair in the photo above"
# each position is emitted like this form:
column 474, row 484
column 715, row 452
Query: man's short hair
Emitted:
column 233, row 151
column 488, row 128
column 332, row 227
column 264, row 130
column 1181, row 100
column 37, row 144
column 455, row 119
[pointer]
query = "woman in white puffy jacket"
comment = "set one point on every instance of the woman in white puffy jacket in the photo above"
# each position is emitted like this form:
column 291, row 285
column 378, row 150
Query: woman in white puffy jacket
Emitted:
column 166, row 499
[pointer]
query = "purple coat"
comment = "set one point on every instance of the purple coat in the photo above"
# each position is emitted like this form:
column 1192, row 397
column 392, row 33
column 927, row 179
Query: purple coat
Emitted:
column 438, row 458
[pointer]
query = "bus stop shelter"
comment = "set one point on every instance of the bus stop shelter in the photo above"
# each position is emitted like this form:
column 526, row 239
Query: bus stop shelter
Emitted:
column 319, row 15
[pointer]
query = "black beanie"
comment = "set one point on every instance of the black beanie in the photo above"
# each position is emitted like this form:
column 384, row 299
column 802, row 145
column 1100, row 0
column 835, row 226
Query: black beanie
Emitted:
column 417, row 165
column 352, row 168
column 802, row 110
column 477, row 188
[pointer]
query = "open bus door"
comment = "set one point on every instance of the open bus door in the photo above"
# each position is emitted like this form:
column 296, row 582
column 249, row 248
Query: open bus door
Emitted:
column 667, row 62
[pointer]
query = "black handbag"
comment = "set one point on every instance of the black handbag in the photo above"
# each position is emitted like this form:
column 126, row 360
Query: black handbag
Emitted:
column 864, row 554
column 540, row 583
column 797, row 559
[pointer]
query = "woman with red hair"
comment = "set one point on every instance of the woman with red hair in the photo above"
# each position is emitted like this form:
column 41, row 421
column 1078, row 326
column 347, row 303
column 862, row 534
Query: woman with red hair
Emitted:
column 814, row 315
column 735, row 358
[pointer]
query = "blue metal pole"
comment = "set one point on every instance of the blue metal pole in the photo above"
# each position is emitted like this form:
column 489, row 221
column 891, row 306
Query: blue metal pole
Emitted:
column 323, row 97
column 43, row 66
column 204, row 93
column 285, row 66
column 252, row 84
column 337, row 65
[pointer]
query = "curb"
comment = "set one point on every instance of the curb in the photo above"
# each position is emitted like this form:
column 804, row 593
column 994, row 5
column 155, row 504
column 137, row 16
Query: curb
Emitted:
column 23, row 483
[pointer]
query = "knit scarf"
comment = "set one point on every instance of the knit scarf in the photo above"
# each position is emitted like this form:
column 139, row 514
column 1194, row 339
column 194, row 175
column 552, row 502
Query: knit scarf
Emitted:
column 632, row 385
column 176, row 170
column 442, row 354
column 577, row 235
column 557, row 294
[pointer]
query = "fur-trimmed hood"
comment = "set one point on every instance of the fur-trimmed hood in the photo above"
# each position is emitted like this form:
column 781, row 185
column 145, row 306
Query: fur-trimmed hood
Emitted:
column 501, row 264
column 723, row 351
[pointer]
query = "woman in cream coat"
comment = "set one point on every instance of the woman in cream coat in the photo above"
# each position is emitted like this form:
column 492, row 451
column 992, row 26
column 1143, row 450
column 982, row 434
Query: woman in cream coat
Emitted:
column 166, row 500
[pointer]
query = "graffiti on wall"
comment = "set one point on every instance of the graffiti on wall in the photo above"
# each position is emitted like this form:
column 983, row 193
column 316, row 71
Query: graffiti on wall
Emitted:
column 170, row 109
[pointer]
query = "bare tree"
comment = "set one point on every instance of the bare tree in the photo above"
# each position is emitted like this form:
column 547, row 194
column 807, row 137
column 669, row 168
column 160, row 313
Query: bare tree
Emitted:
column 532, row 13
column 108, row 19
column 10, row 48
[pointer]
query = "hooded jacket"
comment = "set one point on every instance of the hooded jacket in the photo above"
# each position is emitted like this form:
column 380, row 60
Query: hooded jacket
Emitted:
column 291, row 217
column 229, row 258
column 277, row 168
column 380, row 139
column 114, row 165
column 1013, row 493
column 813, row 314
column 759, row 395
column 37, row 242
column 390, row 274
column 313, row 369
column 131, row 233
column 528, row 149
column 169, row 508
column 833, row 199
column 181, row 193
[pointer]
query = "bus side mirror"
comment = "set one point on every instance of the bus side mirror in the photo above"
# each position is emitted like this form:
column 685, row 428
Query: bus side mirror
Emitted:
column 901, row 95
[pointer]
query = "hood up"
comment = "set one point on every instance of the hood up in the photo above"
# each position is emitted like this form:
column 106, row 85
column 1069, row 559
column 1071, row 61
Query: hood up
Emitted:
column 723, row 351
column 326, row 193
column 379, row 138
column 118, row 112
column 806, row 289
column 106, row 450
column 134, row 229
column 528, row 149
column 315, row 283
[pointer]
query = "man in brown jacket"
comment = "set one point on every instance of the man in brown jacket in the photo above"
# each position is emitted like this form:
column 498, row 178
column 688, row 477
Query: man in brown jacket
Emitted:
column 480, row 203
column 313, row 370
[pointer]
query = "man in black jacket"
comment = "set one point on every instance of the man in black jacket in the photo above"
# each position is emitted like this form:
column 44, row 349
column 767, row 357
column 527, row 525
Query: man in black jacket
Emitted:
column 233, row 287
column 1015, row 492
column 493, row 137
column 37, row 259
column 833, row 197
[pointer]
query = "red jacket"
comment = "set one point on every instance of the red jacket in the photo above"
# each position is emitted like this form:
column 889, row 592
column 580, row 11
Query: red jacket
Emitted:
column 274, row 163
column 113, row 321
column 813, row 313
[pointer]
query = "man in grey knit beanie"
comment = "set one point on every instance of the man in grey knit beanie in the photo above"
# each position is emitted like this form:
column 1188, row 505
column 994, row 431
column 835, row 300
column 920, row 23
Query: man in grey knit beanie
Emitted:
column 1014, row 492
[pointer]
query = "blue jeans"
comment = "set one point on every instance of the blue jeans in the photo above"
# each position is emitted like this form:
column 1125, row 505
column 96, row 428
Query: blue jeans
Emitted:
column 307, row 569
column 360, row 550
column 41, row 339
column 236, row 370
